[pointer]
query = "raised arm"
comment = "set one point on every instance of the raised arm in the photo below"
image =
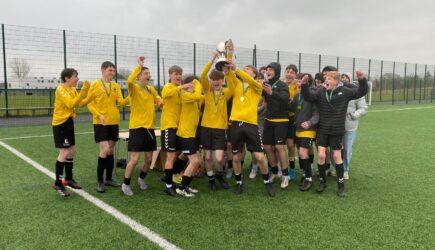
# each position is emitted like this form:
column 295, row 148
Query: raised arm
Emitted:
column 356, row 93
column 73, row 102
column 92, row 94
column 249, row 80
column 204, row 73
column 194, row 96
column 310, row 95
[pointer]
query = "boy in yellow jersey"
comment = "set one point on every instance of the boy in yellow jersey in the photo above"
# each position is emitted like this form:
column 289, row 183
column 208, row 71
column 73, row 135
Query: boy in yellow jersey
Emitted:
column 103, row 100
column 66, row 100
column 290, row 78
column 306, row 119
column 171, row 95
column 143, row 98
column 190, row 98
column 276, row 95
column 244, row 124
column 214, row 122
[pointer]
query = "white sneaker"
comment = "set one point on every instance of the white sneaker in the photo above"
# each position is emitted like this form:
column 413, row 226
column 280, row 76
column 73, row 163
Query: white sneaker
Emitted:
column 346, row 175
column 284, row 181
column 192, row 190
column 126, row 189
column 272, row 178
column 142, row 184
column 279, row 173
column 331, row 171
column 184, row 192
column 253, row 172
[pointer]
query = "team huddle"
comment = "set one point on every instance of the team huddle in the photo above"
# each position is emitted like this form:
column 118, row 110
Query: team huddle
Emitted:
column 214, row 120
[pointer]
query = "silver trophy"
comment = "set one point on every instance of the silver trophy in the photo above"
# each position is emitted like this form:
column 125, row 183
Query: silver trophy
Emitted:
column 222, row 56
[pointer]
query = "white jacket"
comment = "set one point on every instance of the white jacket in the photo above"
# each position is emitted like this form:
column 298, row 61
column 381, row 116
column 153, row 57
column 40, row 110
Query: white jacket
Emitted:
column 355, row 110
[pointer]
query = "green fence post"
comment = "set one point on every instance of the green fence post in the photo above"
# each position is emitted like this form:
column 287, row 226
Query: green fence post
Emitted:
column 300, row 58
column 380, row 84
column 425, row 78
column 419, row 95
column 394, row 83
column 415, row 80
column 5, row 70
column 194, row 58
column 337, row 62
column 64, row 49
column 254, row 56
column 353, row 68
column 368, row 73
column 277, row 56
column 158, row 66
column 320, row 63
column 405, row 85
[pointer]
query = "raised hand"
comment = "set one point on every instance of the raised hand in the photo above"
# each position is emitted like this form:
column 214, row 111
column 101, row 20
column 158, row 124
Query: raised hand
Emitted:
column 267, row 88
column 305, row 125
column 214, row 55
column 141, row 61
column 86, row 85
column 305, row 79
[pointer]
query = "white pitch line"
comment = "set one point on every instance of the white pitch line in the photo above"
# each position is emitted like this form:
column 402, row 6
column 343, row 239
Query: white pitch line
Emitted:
column 390, row 110
column 142, row 230
column 50, row 135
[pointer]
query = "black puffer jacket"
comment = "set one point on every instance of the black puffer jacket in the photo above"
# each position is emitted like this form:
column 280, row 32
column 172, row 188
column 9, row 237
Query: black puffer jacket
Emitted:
column 333, row 113
column 277, row 103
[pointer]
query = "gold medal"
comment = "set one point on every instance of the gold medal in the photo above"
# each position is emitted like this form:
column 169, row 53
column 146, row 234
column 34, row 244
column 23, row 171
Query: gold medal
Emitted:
column 242, row 98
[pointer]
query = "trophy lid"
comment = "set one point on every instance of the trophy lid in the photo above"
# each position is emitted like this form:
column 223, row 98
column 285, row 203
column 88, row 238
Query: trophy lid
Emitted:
column 221, row 47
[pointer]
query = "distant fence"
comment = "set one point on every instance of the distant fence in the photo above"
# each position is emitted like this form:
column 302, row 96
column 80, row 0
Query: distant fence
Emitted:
column 35, row 53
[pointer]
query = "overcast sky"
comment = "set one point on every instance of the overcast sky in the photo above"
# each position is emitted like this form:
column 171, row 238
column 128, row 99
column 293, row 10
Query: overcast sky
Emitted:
column 390, row 30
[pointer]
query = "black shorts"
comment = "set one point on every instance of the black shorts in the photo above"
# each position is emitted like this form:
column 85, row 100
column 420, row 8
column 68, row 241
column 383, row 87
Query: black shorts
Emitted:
column 188, row 146
column 106, row 132
column 291, row 129
column 228, row 133
column 275, row 133
column 335, row 142
column 142, row 140
column 304, row 142
column 242, row 133
column 212, row 139
column 64, row 134
column 169, row 140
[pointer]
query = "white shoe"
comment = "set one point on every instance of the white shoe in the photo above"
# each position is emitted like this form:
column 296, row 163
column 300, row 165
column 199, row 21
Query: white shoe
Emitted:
column 331, row 171
column 284, row 181
column 184, row 192
column 126, row 189
column 192, row 190
column 272, row 178
column 142, row 184
column 346, row 175
column 253, row 172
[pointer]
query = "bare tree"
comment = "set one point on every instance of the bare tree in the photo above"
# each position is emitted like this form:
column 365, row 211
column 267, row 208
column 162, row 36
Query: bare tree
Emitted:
column 21, row 68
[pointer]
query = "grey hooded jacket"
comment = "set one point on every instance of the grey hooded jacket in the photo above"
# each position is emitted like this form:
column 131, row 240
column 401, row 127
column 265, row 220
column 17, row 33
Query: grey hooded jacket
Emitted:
column 355, row 109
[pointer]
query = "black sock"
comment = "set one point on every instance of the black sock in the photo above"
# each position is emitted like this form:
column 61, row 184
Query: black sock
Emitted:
column 285, row 172
column 292, row 164
column 242, row 163
column 311, row 159
column 168, row 177
column 69, row 169
column 266, row 178
column 143, row 175
column 100, row 168
column 110, row 161
column 230, row 163
column 340, row 172
column 179, row 166
column 219, row 175
column 59, row 173
column 275, row 170
column 211, row 177
column 322, row 171
column 185, row 181
column 238, row 178
column 127, row 181
column 306, row 163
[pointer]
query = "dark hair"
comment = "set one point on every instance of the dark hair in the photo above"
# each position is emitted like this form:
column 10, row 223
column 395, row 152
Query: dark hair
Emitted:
column 216, row 75
column 144, row 68
column 292, row 67
column 254, row 69
column 189, row 78
column 319, row 76
column 310, row 79
column 262, row 68
column 107, row 64
column 175, row 69
column 329, row 68
column 67, row 73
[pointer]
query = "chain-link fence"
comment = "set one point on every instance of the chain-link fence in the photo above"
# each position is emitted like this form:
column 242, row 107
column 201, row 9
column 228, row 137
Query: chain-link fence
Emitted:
column 32, row 59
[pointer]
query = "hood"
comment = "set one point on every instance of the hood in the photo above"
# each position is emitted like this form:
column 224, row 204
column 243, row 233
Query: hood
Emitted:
column 277, row 68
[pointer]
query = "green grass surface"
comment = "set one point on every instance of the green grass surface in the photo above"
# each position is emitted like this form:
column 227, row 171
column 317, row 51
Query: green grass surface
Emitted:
column 389, row 200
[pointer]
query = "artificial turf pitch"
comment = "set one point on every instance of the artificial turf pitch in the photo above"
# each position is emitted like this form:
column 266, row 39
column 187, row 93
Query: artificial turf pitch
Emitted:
column 389, row 199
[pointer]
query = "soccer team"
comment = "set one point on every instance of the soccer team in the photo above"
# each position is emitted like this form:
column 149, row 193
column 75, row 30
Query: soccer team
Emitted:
column 215, row 119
